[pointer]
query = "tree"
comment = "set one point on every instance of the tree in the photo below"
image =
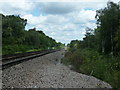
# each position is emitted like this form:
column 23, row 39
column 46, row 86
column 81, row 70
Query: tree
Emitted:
column 108, row 21
column 117, row 40
column 14, row 25
column 16, row 39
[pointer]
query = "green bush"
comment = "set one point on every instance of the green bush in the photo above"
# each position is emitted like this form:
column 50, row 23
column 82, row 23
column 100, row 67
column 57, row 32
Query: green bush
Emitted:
column 8, row 49
column 67, row 58
column 74, row 58
column 77, row 59
column 90, row 62
column 11, row 49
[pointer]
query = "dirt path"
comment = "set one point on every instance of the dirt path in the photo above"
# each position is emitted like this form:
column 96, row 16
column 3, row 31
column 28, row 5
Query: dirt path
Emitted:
column 46, row 72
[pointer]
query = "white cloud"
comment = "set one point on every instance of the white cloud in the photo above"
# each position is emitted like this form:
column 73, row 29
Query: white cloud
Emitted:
column 55, row 19
column 83, row 16
column 69, row 27
column 34, row 20
column 73, row 0
column 91, row 25
column 64, row 27
column 63, row 21
column 16, row 6
column 57, row 8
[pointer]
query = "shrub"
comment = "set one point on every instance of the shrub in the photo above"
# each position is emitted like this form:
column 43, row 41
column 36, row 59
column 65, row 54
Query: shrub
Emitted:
column 11, row 49
column 76, row 59
column 90, row 62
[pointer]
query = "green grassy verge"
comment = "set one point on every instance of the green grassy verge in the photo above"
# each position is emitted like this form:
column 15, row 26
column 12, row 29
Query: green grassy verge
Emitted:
column 90, row 62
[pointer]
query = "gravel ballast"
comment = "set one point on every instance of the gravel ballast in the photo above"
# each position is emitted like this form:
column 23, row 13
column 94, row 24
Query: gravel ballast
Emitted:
column 47, row 72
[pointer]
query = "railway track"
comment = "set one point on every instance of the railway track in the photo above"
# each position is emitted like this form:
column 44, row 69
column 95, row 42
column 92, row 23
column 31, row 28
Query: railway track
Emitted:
column 13, row 59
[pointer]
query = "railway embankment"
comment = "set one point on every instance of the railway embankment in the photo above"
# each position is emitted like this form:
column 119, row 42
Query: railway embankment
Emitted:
column 47, row 72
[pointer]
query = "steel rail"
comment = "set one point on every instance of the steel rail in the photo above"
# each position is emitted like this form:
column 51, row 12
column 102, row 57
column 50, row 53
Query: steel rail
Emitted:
column 8, row 62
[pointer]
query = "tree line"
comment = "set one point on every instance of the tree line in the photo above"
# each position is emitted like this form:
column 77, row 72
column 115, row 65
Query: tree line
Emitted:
column 16, row 39
column 106, row 37
column 98, row 54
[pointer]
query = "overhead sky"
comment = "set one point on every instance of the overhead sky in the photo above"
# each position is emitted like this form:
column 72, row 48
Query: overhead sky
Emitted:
column 63, row 20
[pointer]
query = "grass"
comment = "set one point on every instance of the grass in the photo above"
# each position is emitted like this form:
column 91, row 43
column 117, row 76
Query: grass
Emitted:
column 12, row 49
column 33, row 50
column 90, row 62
